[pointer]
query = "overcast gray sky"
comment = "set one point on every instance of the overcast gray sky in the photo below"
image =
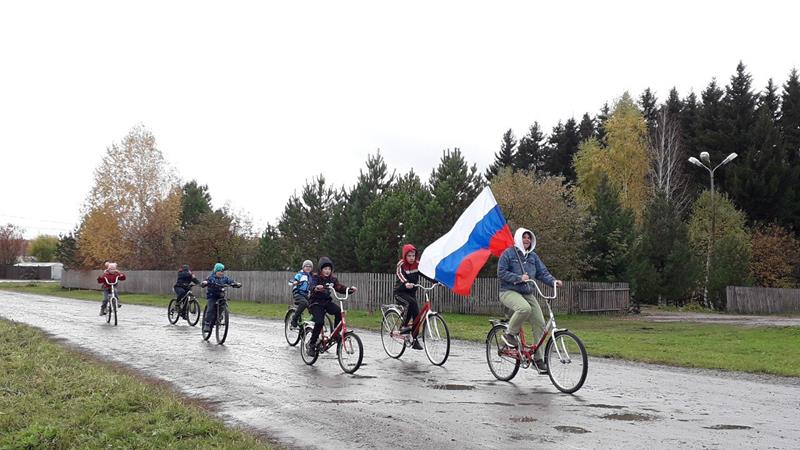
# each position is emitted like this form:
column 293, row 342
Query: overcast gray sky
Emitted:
column 252, row 98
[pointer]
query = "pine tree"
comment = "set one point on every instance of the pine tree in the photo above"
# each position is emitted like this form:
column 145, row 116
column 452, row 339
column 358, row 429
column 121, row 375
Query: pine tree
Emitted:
column 690, row 124
column 454, row 184
column 531, row 152
column 601, row 119
column 304, row 221
column 739, row 105
column 586, row 129
column 648, row 103
column 347, row 218
column 663, row 269
column 269, row 255
column 505, row 157
column 674, row 105
column 563, row 144
column 196, row 201
column 789, row 125
column 611, row 237
column 790, row 118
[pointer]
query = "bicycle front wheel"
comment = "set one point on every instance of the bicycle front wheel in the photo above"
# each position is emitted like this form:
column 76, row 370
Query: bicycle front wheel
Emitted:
column 292, row 336
column 436, row 339
column 567, row 361
column 306, row 335
column 350, row 352
column 114, row 307
column 206, row 334
column 193, row 312
column 394, row 343
column 503, row 360
column 222, row 323
column 173, row 311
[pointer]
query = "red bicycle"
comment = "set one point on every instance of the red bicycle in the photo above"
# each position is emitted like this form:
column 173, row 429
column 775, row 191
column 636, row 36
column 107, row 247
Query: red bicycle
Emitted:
column 435, row 335
column 349, row 349
column 564, row 353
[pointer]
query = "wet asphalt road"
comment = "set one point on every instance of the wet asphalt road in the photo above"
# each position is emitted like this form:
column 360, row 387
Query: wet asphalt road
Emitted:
column 256, row 380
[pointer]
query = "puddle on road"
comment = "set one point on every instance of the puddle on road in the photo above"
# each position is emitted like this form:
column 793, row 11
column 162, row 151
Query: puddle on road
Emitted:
column 631, row 417
column 728, row 427
column 523, row 419
column 338, row 401
column 600, row 405
column 453, row 387
column 568, row 429
column 363, row 376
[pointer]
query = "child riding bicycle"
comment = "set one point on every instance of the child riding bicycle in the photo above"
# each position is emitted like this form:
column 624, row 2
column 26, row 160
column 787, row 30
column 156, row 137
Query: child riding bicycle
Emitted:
column 214, row 284
column 517, row 266
column 110, row 275
column 320, row 302
column 300, row 284
column 405, row 288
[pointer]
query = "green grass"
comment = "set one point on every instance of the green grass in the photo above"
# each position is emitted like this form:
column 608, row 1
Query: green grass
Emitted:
column 770, row 350
column 54, row 398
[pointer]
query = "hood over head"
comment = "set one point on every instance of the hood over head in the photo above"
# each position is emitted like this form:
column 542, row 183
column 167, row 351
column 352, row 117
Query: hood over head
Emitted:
column 324, row 261
column 518, row 240
column 407, row 248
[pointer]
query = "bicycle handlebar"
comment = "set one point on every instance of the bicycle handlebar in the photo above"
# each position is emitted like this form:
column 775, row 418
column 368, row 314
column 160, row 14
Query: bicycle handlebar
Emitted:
column 347, row 292
column 110, row 283
column 432, row 287
column 555, row 290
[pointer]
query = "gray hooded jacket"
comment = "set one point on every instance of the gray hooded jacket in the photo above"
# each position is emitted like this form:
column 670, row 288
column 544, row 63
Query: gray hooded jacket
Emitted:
column 512, row 261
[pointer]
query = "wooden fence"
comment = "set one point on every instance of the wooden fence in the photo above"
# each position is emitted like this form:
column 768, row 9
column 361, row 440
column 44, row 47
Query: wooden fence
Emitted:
column 757, row 300
column 374, row 290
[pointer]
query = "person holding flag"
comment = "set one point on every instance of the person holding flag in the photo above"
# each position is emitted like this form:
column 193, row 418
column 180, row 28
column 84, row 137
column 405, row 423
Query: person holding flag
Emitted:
column 516, row 270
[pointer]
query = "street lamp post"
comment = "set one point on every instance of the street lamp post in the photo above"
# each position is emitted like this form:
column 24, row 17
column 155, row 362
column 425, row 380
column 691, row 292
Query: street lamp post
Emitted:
column 705, row 158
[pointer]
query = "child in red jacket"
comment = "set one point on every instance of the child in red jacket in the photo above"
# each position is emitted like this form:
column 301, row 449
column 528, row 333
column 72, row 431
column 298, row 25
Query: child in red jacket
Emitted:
column 111, row 275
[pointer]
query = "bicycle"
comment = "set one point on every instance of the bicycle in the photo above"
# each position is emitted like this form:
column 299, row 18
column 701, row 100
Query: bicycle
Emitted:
column 113, row 301
column 564, row 353
column 187, row 307
column 293, row 336
column 435, row 338
column 220, row 325
column 349, row 350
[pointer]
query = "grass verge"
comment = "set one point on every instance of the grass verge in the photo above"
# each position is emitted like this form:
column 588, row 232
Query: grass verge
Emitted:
column 55, row 398
column 769, row 350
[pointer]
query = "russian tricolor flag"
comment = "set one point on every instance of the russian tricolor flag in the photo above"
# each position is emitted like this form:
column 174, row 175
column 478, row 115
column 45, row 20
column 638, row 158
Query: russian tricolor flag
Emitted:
column 456, row 258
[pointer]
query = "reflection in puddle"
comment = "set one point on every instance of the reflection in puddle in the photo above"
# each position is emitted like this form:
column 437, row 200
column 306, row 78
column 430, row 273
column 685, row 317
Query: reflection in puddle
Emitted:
column 629, row 417
column 453, row 387
column 568, row 429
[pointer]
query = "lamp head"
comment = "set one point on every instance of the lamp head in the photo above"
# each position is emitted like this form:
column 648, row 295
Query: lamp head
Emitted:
column 704, row 157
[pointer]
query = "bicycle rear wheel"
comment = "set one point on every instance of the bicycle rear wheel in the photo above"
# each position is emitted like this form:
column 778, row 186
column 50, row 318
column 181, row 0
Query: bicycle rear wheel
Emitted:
column 206, row 334
column 436, row 339
column 503, row 361
column 394, row 343
column 350, row 352
column 193, row 312
column 173, row 311
column 222, row 323
column 306, row 335
column 567, row 361
column 292, row 336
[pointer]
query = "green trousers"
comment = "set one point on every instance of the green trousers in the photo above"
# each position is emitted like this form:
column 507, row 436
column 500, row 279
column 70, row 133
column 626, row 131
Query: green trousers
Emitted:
column 526, row 309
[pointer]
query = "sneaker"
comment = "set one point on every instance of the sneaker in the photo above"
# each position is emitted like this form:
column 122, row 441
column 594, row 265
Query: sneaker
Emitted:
column 511, row 340
column 102, row 311
column 405, row 330
column 541, row 365
column 294, row 325
column 416, row 345
column 311, row 349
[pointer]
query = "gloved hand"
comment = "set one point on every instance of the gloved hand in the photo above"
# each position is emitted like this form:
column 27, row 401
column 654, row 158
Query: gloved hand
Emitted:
column 204, row 283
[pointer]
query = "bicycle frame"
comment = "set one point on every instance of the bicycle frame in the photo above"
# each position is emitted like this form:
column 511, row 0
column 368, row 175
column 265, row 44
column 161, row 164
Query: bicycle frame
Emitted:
column 525, row 351
column 325, row 341
column 425, row 312
column 113, row 295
